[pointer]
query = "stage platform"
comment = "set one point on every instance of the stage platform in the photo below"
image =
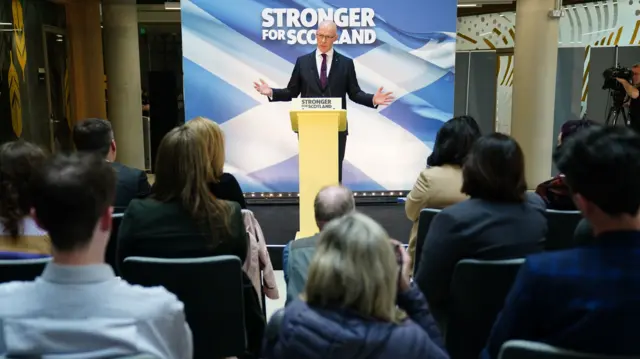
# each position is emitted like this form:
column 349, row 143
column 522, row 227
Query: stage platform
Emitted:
column 279, row 221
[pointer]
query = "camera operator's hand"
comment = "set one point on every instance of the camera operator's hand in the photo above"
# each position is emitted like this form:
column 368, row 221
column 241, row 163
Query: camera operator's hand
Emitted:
column 622, row 81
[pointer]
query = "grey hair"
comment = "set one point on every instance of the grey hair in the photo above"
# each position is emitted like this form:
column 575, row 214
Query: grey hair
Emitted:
column 333, row 202
column 328, row 23
column 354, row 267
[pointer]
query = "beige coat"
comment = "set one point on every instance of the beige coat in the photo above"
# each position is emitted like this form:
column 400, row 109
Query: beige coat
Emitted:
column 436, row 187
column 257, row 265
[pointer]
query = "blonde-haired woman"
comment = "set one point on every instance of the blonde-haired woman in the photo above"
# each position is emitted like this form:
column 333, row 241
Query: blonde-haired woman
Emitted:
column 182, row 219
column 222, row 185
column 349, row 307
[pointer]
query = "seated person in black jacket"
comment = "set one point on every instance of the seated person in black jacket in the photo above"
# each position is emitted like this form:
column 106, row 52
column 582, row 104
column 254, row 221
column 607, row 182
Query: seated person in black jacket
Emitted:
column 182, row 219
column 222, row 185
column 500, row 220
column 95, row 135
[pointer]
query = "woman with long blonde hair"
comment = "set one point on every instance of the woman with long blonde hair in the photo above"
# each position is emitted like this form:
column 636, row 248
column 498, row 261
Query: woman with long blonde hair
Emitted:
column 356, row 282
column 222, row 185
column 183, row 219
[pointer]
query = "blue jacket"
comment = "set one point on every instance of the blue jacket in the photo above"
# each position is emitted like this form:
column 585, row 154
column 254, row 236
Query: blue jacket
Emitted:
column 317, row 333
column 585, row 299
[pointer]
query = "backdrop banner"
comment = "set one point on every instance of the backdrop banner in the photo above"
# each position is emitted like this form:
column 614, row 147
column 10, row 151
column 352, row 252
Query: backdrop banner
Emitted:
column 406, row 46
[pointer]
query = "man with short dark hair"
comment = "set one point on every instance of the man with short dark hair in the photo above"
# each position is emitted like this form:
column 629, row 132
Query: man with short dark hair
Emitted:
column 330, row 203
column 95, row 135
column 586, row 298
column 78, row 307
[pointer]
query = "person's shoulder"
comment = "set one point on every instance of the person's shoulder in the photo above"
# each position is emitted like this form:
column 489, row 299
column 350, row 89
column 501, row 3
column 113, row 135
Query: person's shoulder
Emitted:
column 147, row 303
column 409, row 340
column 554, row 262
column 305, row 242
column 124, row 170
column 341, row 57
column 13, row 296
column 535, row 201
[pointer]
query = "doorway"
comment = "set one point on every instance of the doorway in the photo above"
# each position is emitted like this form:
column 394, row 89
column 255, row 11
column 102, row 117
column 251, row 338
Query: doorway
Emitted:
column 56, row 74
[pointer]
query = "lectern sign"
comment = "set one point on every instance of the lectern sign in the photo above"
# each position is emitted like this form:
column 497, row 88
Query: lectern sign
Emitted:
column 317, row 103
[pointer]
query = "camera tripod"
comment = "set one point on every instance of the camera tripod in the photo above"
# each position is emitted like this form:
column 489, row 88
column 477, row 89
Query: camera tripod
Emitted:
column 616, row 109
column 614, row 113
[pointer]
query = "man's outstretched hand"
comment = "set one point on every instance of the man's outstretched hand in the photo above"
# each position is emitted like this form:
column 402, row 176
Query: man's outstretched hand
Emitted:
column 263, row 88
column 382, row 98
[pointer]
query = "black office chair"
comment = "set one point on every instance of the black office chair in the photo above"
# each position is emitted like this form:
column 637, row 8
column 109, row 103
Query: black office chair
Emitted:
column 424, row 222
column 561, row 226
column 212, row 292
column 478, row 291
column 522, row 349
column 22, row 269
column 112, row 246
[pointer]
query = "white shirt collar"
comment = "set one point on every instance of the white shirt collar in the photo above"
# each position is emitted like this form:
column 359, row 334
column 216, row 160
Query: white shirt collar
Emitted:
column 329, row 53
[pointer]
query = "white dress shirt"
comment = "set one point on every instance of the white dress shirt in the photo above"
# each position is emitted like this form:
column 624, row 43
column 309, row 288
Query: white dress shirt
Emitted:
column 319, row 61
column 86, row 312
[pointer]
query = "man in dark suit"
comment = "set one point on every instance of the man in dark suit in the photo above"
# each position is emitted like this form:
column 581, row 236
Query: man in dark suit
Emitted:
column 326, row 73
column 96, row 135
column 587, row 298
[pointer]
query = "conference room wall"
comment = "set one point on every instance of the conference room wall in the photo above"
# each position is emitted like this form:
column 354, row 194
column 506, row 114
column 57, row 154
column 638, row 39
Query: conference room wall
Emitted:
column 568, row 90
column 476, row 86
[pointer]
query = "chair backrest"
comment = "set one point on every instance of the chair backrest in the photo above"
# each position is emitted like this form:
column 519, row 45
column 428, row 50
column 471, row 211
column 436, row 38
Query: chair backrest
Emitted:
column 136, row 356
column 112, row 246
column 426, row 216
column 478, row 291
column 561, row 226
column 522, row 349
column 22, row 269
column 212, row 292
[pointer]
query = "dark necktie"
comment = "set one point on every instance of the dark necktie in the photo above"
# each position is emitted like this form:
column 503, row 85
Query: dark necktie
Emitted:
column 323, row 71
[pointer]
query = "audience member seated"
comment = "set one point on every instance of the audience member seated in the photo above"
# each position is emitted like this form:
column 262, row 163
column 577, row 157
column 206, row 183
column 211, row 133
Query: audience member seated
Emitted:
column 78, row 308
column 555, row 191
column 586, row 298
column 330, row 203
column 500, row 220
column 95, row 135
column 20, row 236
column 182, row 219
column 348, row 309
column 222, row 185
column 440, row 184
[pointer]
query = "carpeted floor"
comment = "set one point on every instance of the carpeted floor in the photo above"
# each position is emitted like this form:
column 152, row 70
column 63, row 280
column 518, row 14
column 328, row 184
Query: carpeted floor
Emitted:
column 279, row 223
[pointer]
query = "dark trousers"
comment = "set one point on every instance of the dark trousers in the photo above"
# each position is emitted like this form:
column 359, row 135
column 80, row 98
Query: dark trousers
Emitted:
column 342, row 145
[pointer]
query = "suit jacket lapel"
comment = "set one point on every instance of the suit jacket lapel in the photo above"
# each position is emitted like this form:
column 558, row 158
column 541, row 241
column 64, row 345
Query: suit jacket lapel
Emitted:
column 315, row 69
column 334, row 66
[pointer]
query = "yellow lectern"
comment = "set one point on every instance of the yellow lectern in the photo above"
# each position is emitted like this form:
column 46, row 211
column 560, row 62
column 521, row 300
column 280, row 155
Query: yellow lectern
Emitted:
column 317, row 121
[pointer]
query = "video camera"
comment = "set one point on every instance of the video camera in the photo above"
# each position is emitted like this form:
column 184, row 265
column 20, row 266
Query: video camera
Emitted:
column 611, row 74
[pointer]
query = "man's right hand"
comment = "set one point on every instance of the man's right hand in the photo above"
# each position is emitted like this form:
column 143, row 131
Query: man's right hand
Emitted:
column 263, row 88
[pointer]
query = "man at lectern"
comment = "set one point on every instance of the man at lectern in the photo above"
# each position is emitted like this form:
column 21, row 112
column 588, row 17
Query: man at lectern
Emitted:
column 326, row 73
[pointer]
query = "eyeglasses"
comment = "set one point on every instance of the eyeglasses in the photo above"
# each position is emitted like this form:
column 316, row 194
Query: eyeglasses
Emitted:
column 325, row 37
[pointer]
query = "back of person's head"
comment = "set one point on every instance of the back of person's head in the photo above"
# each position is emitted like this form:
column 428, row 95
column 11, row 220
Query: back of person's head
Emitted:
column 72, row 196
column 602, row 168
column 93, row 135
column 494, row 170
column 453, row 141
column 354, row 267
column 213, row 137
column 18, row 162
column 572, row 127
column 183, row 171
column 333, row 202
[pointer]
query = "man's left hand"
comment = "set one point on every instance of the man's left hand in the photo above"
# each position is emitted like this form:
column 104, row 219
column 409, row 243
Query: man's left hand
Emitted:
column 382, row 98
column 622, row 81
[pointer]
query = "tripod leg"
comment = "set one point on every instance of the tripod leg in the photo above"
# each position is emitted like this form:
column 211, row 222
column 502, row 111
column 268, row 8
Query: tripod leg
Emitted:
column 607, row 122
